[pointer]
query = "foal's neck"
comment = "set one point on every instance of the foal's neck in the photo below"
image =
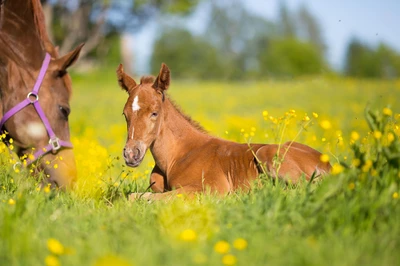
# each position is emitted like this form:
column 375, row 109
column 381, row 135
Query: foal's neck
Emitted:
column 178, row 135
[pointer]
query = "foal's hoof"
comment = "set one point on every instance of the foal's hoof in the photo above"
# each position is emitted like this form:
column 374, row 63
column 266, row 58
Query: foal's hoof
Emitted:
column 138, row 196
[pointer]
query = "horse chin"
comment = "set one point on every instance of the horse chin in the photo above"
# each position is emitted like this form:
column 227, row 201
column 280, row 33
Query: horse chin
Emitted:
column 62, row 169
column 135, row 163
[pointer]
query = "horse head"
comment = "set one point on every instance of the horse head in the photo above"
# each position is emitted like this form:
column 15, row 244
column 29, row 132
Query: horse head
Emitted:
column 35, row 92
column 143, row 112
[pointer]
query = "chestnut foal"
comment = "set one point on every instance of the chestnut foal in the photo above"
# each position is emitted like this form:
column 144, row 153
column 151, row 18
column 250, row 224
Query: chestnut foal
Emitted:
column 188, row 160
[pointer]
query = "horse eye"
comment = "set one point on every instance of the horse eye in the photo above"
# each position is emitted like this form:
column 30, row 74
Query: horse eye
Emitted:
column 154, row 114
column 64, row 111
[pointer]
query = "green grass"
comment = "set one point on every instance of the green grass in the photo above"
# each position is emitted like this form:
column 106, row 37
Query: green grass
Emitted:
column 352, row 218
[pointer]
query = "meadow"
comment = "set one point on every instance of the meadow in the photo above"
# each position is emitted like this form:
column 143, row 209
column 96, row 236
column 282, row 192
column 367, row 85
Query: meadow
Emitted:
column 351, row 217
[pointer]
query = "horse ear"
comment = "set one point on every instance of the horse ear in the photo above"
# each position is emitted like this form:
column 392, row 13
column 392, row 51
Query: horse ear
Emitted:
column 163, row 79
column 67, row 60
column 124, row 80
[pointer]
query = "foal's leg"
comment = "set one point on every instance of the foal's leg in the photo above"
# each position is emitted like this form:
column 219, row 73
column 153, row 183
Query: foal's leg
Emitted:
column 158, row 180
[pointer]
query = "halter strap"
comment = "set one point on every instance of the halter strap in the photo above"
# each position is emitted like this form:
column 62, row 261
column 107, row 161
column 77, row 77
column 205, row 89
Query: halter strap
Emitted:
column 33, row 98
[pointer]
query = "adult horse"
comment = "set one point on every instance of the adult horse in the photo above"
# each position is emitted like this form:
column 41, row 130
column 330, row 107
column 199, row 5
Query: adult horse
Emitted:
column 188, row 159
column 35, row 91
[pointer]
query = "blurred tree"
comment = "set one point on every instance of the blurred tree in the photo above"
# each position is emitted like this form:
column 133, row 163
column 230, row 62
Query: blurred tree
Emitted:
column 72, row 22
column 364, row 61
column 291, row 57
column 188, row 56
column 309, row 29
column 286, row 23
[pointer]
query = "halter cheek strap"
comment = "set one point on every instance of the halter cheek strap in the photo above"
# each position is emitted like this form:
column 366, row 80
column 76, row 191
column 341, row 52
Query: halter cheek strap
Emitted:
column 33, row 98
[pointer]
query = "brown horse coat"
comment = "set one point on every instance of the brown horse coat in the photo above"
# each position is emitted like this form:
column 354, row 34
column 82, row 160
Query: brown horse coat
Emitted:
column 188, row 159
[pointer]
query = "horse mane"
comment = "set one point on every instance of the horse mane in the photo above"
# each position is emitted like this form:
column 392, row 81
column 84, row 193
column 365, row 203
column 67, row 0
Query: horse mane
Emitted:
column 150, row 80
column 186, row 117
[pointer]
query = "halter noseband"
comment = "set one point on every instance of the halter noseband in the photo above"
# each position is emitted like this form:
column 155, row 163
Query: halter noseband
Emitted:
column 33, row 98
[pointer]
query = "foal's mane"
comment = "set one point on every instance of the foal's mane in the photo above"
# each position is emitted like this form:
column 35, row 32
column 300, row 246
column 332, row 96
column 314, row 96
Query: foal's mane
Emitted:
column 195, row 124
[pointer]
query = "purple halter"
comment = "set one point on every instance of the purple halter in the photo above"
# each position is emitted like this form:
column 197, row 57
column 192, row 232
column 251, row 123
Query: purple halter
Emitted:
column 33, row 98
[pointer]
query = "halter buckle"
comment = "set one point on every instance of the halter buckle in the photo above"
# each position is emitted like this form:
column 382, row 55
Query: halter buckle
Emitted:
column 32, row 94
column 55, row 143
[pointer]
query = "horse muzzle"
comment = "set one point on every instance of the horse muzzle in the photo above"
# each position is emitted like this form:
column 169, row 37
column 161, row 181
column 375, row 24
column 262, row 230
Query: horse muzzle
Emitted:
column 134, row 155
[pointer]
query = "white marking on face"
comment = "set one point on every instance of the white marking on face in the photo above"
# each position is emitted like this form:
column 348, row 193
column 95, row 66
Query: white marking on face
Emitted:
column 133, row 131
column 36, row 130
column 135, row 104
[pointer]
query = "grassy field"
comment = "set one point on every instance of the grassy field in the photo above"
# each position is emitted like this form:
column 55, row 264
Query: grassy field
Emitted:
column 350, row 218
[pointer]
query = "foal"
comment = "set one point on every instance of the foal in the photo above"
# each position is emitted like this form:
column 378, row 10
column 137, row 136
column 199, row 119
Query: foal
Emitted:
column 188, row 160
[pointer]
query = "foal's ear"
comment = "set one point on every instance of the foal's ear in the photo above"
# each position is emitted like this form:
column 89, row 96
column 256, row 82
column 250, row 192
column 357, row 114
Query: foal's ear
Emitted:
column 67, row 60
column 124, row 80
column 163, row 79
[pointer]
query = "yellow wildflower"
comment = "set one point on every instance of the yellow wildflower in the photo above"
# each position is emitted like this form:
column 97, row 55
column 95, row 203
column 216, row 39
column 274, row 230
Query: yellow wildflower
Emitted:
column 188, row 235
column 229, row 259
column 324, row 158
column 315, row 115
column 390, row 137
column 356, row 162
column 265, row 113
column 377, row 134
column 354, row 135
column 240, row 244
column 51, row 260
column 55, row 246
column 11, row 201
column 306, row 118
column 326, row 124
column 351, row 186
column 222, row 247
column 395, row 195
column 55, row 166
column 387, row 111
column 337, row 169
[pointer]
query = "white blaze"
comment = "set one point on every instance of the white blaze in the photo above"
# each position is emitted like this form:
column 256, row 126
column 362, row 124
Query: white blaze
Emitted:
column 135, row 104
column 36, row 130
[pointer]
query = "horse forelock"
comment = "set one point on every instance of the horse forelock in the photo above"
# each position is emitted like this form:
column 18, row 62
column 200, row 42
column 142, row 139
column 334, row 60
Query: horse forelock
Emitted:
column 147, row 79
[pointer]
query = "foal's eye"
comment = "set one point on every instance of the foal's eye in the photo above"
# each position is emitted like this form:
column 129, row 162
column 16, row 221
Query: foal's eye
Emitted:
column 64, row 111
column 154, row 114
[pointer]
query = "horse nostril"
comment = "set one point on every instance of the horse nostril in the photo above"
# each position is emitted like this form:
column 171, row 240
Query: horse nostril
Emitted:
column 137, row 153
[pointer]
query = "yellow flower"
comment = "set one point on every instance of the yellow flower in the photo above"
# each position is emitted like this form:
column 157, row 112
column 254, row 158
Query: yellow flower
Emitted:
column 390, row 137
column 55, row 166
column 354, row 135
column 366, row 166
column 387, row 111
column 265, row 113
column 229, row 259
column 324, row 158
column 11, row 201
column 377, row 134
column 111, row 260
column 55, row 246
column 337, row 169
column 306, row 118
column 51, row 260
column 351, row 186
column 395, row 195
column 11, row 141
column 222, row 247
column 240, row 244
column 326, row 124
column 188, row 235
column 11, row 147
column 356, row 162
column 47, row 188
column 315, row 115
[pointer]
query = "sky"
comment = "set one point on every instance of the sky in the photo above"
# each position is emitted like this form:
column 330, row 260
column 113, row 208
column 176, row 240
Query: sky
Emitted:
column 372, row 21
